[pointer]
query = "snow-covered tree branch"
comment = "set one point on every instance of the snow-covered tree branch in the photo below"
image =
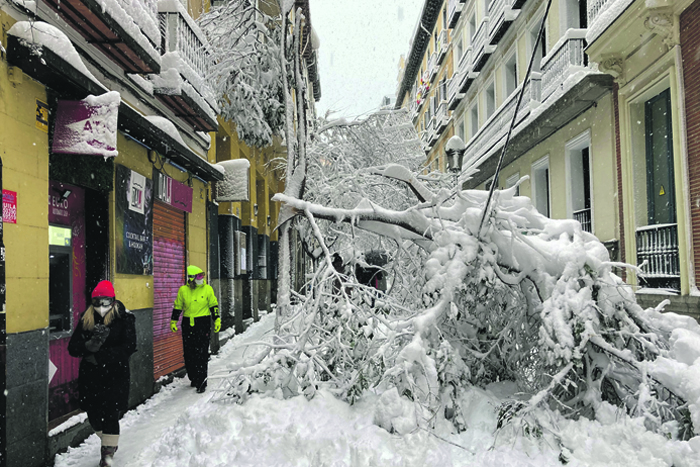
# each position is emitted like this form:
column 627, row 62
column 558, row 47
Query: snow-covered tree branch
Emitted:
column 409, row 301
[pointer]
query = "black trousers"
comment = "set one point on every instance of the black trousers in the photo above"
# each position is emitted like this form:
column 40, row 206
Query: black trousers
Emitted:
column 195, row 343
column 106, row 421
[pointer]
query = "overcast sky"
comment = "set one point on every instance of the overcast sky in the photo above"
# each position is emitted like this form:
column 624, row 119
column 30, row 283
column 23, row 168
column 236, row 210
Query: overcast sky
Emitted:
column 361, row 42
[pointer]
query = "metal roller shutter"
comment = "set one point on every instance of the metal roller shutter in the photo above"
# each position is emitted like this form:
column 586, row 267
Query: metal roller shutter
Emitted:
column 168, row 276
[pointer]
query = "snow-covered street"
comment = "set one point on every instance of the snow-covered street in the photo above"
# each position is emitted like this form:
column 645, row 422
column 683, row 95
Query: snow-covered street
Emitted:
column 178, row 427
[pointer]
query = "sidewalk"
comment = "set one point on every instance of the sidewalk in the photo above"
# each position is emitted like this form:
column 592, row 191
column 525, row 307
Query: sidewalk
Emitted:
column 144, row 425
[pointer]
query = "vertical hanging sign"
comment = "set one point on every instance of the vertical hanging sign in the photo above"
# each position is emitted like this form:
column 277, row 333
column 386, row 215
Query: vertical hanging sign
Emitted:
column 9, row 207
column 134, row 222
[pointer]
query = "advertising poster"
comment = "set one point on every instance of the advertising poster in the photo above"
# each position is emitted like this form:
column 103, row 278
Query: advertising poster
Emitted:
column 134, row 222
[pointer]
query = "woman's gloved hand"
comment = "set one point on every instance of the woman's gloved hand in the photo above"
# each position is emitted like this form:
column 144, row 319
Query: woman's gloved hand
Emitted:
column 99, row 336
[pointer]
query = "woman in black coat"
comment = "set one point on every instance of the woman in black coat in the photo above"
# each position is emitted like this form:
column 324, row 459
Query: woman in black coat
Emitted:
column 105, row 338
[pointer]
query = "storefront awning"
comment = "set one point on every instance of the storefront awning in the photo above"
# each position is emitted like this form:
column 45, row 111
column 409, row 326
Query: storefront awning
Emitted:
column 54, row 71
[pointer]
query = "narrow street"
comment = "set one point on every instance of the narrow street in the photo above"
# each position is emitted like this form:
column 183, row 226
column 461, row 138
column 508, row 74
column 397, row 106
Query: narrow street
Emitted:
column 144, row 425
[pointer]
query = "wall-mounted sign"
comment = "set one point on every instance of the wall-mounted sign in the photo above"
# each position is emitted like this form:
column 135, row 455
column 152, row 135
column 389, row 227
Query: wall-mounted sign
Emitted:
column 9, row 207
column 134, row 222
column 42, row 116
column 172, row 192
column 88, row 126
column 59, row 236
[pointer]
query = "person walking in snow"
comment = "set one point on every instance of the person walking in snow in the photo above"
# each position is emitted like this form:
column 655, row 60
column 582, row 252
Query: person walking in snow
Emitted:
column 198, row 302
column 104, row 339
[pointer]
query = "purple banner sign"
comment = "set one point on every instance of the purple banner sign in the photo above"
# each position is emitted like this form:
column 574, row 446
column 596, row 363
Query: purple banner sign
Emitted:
column 173, row 193
column 88, row 126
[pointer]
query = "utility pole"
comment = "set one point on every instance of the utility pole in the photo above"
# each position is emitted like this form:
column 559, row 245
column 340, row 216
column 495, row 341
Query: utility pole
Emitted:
column 3, row 348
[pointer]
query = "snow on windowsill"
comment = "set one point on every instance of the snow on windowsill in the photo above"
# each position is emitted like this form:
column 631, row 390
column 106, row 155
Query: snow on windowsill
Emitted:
column 39, row 34
column 70, row 423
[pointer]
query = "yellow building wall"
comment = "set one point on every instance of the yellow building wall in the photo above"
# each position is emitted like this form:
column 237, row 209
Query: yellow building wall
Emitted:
column 25, row 158
column 599, row 122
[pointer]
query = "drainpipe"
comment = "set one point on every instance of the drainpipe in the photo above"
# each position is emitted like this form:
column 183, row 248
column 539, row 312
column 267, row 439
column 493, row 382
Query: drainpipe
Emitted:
column 3, row 348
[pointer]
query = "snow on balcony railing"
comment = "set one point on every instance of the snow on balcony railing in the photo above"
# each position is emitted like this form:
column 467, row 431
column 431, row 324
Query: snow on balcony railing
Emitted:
column 601, row 14
column 565, row 58
column 496, row 11
column 186, row 49
column 531, row 96
column 453, row 94
column 480, row 48
column 492, row 132
column 441, row 117
column 658, row 246
column 442, row 45
column 584, row 218
column 433, row 65
column 454, row 10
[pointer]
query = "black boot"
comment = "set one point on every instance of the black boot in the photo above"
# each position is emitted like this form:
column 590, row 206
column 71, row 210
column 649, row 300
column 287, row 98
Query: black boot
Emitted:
column 107, row 453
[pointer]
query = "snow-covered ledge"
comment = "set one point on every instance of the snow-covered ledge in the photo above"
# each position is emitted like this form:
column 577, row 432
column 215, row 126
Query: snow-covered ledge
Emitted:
column 235, row 186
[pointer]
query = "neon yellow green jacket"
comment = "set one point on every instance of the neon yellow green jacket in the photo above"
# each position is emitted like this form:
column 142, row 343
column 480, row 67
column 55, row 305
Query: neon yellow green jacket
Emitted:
column 195, row 302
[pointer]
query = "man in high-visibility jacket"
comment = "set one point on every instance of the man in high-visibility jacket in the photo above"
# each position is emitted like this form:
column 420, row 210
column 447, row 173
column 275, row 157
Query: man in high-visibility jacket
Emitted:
column 197, row 300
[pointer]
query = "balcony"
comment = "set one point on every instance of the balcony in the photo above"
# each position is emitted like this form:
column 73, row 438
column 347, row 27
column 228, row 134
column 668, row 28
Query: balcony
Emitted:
column 441, row 118
column 454, row 97
column 123, row 30
column 186, row 60
column 566, row 58
column 594, row 9
column 657, row 245
column 441, row 47
column 531, row 96
column 501, row 16
column 454, row 11
column 584, row 218
column 481, row 49
column 493, row 132
column 433, row 65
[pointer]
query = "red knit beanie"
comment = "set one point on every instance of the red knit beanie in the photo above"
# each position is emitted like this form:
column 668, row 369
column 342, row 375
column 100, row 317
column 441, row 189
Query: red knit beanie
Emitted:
column 103, row 289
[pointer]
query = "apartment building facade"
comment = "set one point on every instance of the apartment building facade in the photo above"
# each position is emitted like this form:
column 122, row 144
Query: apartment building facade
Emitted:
column 568, row 127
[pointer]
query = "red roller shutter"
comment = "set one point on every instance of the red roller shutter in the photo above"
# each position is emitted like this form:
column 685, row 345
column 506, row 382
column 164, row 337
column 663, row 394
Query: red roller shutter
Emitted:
column 168, row 276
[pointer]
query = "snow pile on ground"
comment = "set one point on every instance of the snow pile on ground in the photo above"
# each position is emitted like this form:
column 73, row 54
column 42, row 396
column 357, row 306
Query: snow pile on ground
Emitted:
column 178, row 427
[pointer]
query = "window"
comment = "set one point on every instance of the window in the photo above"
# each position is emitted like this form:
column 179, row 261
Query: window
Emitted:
column 472, row 28
column 511, row 74
column 578, row 160
column 444, row 18
column 460, row 49
column 542, row 48
column 474, row 117
column 512, row 180
column 540, row 186
column 460, row 130
column 490, row 100
column 443, row 90
column 574, row 15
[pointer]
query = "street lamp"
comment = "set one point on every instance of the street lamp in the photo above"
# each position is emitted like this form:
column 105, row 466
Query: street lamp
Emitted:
column 454, row 150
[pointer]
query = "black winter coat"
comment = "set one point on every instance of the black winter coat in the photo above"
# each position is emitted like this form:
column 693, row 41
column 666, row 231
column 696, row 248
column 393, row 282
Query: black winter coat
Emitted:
column 105, row 385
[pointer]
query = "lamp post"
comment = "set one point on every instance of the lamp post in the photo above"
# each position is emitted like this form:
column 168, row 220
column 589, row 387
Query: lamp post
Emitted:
column 454, row 150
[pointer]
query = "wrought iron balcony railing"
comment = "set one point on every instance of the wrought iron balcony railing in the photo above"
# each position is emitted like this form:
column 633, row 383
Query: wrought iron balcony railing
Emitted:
column 441, row 117
column 566, row 58
column 501, row 16
column 493, row 132
column 441, row 46
column 658, row 246
column 584, row 218
column 481, row 48
column 594, row 9
column 186, row 60
column 454, row 10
